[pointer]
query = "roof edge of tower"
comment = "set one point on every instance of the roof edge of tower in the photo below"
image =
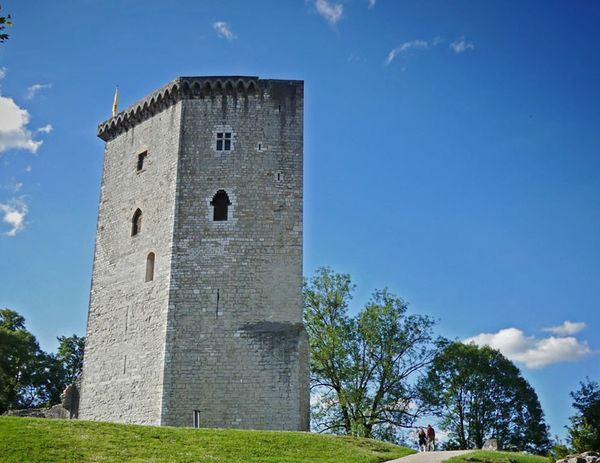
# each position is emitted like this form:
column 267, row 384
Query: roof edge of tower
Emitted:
column 174, row 91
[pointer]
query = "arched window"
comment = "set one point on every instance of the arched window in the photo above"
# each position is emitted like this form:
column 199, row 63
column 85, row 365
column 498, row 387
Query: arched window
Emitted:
column 136, row 223
column 150, row 267
column 220, row 203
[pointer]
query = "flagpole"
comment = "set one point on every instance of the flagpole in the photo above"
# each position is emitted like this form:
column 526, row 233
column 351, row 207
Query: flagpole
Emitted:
column 115, row 101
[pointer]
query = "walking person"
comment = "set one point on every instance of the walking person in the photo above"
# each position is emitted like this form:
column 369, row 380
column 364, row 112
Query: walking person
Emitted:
column 430, row 438
column 422, row 440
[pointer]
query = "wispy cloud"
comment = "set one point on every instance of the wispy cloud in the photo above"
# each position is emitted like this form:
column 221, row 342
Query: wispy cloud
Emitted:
column 14, row 133
column 332, row 12
column 46, row 129
column 32, row 91
column 223, row 30
column 405, row 47
column 14, row 214
column 461, row 45
column 567, row 328
column 372, row 3
column 533, row 352
column 2, row 72
column 13, row 186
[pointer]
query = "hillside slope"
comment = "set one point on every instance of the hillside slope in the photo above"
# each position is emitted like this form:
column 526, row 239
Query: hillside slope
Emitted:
column 41, row 440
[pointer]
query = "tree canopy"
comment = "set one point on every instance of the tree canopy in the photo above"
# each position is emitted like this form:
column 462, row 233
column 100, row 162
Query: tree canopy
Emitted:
column 480, row 394
column 584, row 432
column 70, row 355
column 30, row 377
column 361, row 366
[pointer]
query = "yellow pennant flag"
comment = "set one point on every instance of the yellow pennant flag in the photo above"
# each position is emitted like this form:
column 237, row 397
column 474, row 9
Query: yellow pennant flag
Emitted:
column 115, row 101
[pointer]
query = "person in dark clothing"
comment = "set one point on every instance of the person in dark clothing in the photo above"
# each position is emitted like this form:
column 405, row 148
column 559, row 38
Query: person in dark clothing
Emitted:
column 430, row 438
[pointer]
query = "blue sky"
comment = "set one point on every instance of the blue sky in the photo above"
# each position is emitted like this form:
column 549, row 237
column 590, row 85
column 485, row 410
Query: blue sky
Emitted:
column 451, row 154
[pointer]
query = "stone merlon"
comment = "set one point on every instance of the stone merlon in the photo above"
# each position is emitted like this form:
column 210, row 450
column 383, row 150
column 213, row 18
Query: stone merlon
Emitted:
column 184, row 88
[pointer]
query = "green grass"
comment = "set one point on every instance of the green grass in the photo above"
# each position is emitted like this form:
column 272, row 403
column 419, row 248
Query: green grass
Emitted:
column 34, row 440
column 488, row 456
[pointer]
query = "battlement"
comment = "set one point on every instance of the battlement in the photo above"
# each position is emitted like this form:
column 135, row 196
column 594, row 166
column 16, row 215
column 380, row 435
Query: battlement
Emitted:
column 179, row 89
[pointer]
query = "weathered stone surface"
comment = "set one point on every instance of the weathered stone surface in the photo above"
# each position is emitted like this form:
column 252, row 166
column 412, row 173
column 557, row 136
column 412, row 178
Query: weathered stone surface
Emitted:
column 577, row 459
column 217, row 333
column 585, row 457
column 67, row 409
column 27, row 412
column 69, row 399
column 491, row 444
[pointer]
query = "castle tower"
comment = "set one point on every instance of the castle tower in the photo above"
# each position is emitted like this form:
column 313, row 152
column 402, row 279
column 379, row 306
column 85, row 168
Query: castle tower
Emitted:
column 195, row 314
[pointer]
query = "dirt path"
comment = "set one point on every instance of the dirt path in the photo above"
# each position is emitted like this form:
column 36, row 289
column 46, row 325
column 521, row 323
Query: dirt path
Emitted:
column 429, row 457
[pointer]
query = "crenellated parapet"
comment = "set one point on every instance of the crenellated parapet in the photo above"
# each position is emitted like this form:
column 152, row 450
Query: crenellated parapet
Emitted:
column 174, row 91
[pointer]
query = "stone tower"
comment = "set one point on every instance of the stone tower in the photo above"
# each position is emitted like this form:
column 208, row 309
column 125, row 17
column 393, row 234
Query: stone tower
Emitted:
column 195, row 314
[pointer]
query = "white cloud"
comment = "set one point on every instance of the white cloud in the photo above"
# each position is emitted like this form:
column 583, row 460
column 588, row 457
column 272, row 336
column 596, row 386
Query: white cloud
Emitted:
column 372, row 3
column 567, row 328
column 332, row 12
column 223, row 30
column 46, row 129
column 532, row 351
column 2, row 72
column 13, row 127
column 28, row 169
column 461, row 45
column 31, row 91
column 404, row 47
column 14, row 215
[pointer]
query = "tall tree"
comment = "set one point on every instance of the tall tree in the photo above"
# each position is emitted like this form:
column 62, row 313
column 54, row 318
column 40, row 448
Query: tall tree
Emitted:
column 70, row 354
column 20, row 359
column 361, row 366
column 480, row 394
column 584, row 432
column 30, row 377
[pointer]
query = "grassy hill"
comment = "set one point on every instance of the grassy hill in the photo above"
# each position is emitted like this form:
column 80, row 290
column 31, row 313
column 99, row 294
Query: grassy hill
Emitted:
column 42, row 440
column 486, row 456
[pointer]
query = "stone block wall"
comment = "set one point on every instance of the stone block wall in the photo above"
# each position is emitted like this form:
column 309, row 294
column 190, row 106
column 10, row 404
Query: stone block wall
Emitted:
column 244, row 363
column 217, row 339
column 124, row 352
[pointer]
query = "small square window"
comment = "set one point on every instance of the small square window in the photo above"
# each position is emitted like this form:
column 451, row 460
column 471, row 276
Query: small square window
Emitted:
column 223, row 141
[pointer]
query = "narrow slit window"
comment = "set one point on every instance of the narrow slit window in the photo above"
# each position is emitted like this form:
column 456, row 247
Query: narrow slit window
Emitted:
column 136, row 223
column 150, row 267
column 220, row 204
column 196, row 418
column 223, row 141
column 140, row 160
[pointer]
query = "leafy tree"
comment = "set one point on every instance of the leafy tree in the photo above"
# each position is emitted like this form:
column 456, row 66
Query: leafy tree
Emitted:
column 20, row 358
column 480, row 394
column 4, row 21
column 30, row 377
column 584, row 433
column 70, row 354
column 360, row 366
